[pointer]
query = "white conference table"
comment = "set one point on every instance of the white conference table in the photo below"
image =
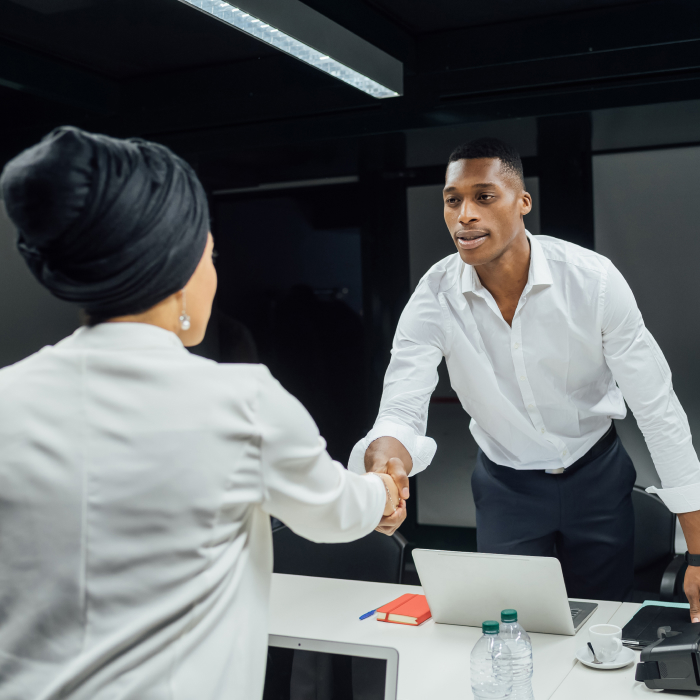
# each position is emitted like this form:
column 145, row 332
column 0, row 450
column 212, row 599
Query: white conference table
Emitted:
column 433, row 658
column 585, row 683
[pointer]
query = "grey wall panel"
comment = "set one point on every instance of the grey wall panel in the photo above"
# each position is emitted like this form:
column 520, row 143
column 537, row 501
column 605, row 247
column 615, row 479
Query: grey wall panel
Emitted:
column 647, row 224
column 444, row 488
column 433, row 146
column 429, row 239
column 646, row 218
column 31, row 317
column 646, row 125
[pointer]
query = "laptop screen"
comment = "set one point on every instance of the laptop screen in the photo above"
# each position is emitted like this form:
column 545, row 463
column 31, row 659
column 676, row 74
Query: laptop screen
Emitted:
column 297, row 674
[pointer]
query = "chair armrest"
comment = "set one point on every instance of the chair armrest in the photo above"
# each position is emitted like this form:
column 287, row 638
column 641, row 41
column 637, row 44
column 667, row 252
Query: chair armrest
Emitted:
column 400, row 539
column 402, row 542
column 672, row 580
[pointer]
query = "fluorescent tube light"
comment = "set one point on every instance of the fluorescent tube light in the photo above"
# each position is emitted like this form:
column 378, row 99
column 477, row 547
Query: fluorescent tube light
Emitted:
column 255, row 27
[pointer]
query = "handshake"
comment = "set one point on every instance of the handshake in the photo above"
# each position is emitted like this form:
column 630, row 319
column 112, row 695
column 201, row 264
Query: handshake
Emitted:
column 390, row 461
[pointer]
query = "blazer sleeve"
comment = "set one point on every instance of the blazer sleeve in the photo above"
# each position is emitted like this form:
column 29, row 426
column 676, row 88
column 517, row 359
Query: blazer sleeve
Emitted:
column 309, row 492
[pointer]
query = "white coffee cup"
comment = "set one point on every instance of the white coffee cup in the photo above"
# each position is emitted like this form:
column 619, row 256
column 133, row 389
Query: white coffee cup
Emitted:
column 606, row 641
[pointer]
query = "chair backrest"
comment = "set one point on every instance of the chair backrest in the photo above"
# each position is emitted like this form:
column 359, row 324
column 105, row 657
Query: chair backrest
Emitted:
column 373, row 558
column 655, row 529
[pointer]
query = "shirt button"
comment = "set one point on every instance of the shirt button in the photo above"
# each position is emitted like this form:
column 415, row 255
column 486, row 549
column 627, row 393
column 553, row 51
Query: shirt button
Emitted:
column 542, row 429
column 516, row 346
column 531, row 405
column 522, row 378
column 563, row 454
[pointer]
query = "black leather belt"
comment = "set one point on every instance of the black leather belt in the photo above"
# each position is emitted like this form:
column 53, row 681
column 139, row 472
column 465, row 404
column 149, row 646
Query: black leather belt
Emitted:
column 602, row 446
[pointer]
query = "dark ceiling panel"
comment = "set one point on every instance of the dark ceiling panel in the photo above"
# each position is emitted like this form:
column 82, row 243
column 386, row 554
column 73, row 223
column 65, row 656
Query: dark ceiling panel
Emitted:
column 51, row 7
column 33, row 73
column 373, row 26
column 20, row 109
column 24, row 108
column 208, row 90
column 127, row 38
column 424, row 16
column 601, row 31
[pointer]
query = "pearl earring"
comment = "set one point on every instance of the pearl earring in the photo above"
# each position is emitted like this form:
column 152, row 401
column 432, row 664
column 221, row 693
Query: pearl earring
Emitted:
column 184, row 318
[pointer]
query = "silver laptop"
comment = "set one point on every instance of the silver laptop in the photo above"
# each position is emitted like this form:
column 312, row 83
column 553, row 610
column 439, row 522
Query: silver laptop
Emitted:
column 301, row 668
column 466, row 588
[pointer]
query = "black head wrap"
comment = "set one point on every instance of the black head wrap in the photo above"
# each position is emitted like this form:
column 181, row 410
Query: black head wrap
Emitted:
column 113, row 225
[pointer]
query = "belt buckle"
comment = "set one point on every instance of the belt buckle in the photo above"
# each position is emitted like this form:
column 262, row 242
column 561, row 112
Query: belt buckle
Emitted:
column 561, row 470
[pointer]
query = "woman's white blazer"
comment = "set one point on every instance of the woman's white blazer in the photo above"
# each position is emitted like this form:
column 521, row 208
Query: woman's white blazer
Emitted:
column 136, row 485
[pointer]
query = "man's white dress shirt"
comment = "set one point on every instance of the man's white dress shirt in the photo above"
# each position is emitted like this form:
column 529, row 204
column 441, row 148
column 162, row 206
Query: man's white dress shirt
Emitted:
column 542, row 391
column 136, row 485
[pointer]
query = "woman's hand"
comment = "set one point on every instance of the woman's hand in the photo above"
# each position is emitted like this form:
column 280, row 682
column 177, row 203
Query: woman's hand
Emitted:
column 392, row 494
column 389, row 524
column 394, row 468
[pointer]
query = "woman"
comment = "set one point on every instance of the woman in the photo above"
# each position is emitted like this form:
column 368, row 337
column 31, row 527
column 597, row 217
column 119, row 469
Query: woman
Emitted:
column 136, row 479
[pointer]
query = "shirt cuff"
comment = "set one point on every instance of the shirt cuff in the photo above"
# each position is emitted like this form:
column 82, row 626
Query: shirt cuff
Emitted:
column 422, row 449
column 680, row 499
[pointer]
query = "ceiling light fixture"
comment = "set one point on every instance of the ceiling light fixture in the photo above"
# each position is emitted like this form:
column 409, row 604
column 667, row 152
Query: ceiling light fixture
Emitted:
column 309, row 36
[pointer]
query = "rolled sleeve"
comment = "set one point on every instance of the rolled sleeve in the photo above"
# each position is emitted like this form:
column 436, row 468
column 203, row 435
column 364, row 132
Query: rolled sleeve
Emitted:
column 681, row 499
column 422, row 449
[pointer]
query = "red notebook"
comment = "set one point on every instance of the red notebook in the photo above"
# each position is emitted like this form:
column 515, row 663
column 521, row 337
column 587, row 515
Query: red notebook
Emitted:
column 409, row 609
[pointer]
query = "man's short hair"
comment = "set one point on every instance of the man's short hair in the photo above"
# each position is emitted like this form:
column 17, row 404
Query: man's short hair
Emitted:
column 487, row 147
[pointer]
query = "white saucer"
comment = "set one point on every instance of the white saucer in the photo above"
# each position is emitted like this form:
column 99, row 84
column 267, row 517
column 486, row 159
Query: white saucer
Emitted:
column 624, row 658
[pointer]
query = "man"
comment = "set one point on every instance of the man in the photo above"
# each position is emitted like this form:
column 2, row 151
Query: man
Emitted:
column 536, row 332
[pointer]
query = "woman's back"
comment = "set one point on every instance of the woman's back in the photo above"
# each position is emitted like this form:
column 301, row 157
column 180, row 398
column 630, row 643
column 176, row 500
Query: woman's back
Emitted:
column 135, row 485
column 137, row 480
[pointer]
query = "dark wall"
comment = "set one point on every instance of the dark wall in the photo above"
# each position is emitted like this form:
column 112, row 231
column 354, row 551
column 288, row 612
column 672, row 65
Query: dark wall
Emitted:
column 290, row 269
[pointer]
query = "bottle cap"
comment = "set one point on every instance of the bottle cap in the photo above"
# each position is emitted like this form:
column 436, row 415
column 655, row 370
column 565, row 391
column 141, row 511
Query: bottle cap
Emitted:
column 490, row 627
column 509, row 615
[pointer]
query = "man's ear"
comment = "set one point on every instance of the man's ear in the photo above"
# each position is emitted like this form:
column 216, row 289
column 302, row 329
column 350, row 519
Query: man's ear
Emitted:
column 526, row 203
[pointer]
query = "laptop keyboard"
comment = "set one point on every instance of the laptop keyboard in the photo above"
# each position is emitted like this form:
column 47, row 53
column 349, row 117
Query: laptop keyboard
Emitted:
column 574, row 612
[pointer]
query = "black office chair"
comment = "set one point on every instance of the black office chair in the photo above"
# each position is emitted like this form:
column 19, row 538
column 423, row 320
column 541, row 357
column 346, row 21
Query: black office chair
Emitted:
column 658, row 570
column 375, row 557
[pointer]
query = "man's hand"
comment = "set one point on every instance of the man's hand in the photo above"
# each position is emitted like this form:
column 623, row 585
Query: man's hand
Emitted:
column 690, row 522
column 395, row 469
column 691, row 586
column 387, row 455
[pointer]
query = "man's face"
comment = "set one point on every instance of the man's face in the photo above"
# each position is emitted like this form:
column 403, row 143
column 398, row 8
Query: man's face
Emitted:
column 484, row 208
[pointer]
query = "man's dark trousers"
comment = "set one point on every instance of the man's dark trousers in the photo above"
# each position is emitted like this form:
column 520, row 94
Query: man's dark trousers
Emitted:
column 585, row 519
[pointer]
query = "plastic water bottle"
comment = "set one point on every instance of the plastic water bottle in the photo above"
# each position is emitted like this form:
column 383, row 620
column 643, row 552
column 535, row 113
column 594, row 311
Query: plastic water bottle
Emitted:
column 491, row 674
column 518, row 642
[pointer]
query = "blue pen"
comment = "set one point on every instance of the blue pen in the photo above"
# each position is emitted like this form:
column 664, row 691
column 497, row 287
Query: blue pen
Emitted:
column 366, row 615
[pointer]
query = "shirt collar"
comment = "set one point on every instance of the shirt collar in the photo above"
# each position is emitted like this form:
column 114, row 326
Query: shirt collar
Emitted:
column 539, row 273
column 122, row 336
